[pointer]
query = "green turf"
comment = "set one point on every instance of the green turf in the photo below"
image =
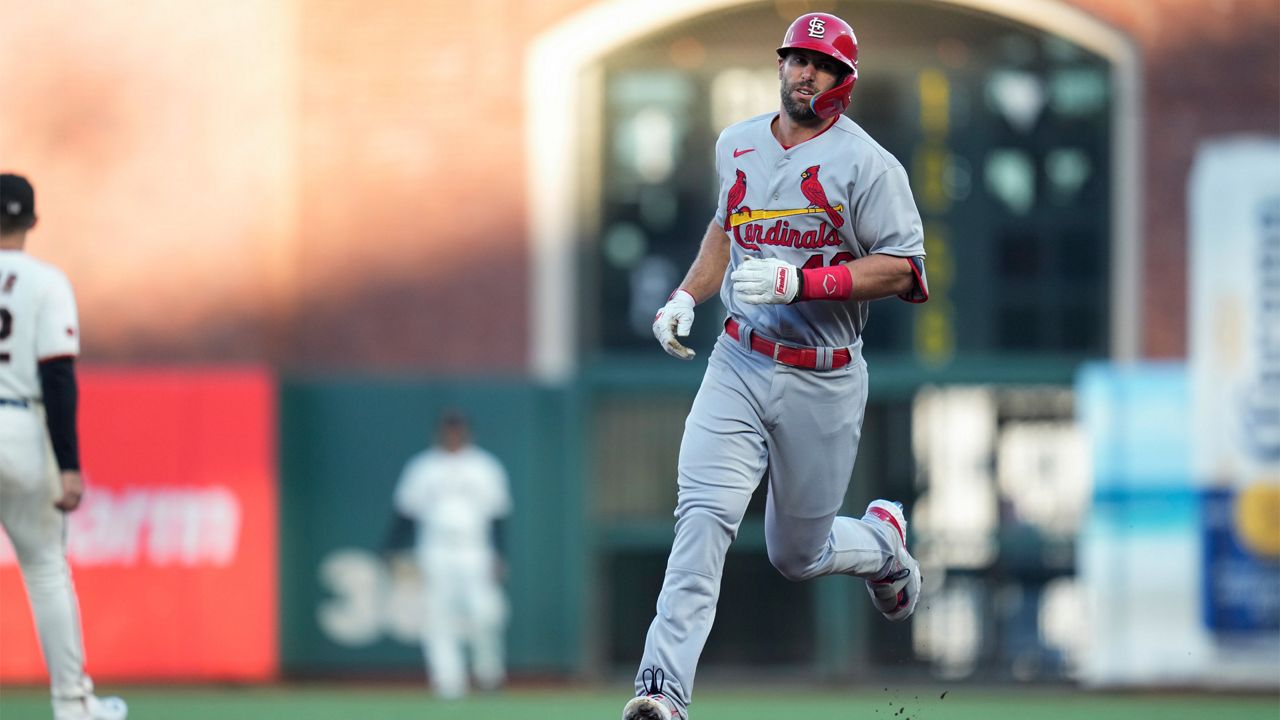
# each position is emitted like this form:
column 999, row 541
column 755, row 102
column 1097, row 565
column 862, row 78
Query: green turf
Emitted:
column 717, row 703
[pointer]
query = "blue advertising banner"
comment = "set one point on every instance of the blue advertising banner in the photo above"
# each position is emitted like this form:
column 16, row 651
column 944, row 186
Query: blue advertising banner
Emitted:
column 1234, row 364
column 1241, row 588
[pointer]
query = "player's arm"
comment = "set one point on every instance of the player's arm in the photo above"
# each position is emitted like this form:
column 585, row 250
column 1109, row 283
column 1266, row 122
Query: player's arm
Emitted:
column 399, row 534
column 770, row 280
column 61, row 399
column 408, row 498
column 57, row 345
column 406, row 504
column 873, row 277
column 703, row 280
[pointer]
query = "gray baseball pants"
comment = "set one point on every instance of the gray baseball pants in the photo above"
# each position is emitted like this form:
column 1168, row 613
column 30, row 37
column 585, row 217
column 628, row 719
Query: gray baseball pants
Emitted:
column 752, row 415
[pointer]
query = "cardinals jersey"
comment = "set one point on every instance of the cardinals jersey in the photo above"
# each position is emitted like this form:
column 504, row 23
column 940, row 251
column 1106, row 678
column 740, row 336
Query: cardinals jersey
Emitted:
column 831, row 199
column 37, row 322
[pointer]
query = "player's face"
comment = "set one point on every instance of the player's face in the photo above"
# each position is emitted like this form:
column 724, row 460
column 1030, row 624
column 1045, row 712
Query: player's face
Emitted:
column 803, row 74
column 453, row 436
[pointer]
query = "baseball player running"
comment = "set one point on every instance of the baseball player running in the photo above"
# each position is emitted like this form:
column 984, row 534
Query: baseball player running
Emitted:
column 39, row 453
column 815, row 219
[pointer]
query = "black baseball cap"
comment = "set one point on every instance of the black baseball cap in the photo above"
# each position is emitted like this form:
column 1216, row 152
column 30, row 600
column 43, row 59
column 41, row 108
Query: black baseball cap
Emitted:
column 453, row 418
column 17, row 198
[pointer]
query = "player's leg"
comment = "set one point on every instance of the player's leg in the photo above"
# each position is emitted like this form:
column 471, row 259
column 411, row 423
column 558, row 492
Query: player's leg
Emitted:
column 442, row 633
column 37, row 531
column 489, row 621
column 813, row 445
column 812, row 451
column 722, row 457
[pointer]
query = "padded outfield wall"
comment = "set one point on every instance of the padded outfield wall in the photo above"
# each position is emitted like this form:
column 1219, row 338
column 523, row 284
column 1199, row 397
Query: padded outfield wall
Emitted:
column 350, row 601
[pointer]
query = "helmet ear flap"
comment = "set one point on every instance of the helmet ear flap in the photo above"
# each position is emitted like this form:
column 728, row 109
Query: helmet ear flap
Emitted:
column 833, row 102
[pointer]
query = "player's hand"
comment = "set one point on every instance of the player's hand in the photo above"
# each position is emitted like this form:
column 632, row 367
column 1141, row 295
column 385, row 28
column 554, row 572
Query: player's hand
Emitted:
column 72, row 490
column 675, row 318
column 765, row 282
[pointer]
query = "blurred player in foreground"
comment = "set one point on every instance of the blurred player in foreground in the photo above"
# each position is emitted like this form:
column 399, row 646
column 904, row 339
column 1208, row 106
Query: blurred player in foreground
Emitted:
column 456, row 492
column 39, row 449
column 815, row 219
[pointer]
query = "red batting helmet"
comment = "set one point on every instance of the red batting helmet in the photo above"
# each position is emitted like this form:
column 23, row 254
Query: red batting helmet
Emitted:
column 831, row 36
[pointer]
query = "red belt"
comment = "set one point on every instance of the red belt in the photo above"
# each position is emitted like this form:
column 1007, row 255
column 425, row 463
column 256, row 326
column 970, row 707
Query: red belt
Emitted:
column 801, row 357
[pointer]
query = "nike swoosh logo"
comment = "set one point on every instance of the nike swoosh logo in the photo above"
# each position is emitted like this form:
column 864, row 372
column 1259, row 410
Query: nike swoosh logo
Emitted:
column 737, row 152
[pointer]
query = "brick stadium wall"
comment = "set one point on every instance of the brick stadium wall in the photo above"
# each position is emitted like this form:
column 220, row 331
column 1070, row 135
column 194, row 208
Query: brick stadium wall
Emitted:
column 412, row 187
column 1212, row 68
column 329, row 184
column 158, row 143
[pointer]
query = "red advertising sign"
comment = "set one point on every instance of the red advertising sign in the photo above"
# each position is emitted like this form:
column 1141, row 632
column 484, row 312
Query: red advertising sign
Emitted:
column 173, row 552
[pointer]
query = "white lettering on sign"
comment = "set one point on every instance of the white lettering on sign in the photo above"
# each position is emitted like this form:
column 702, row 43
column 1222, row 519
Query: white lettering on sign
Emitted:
column 154, row 527
column 368, row 600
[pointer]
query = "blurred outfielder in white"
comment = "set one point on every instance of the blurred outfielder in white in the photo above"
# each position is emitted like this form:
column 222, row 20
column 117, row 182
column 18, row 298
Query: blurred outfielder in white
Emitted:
column 39, row 453
column 455, row 492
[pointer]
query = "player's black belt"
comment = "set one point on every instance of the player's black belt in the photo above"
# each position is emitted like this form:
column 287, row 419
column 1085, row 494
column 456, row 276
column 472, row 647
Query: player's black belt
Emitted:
column 14, row 402
column 806, row 358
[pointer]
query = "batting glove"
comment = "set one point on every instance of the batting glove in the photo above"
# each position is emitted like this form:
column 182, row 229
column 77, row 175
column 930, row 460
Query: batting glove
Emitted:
column 765, row 282
column 675, row 318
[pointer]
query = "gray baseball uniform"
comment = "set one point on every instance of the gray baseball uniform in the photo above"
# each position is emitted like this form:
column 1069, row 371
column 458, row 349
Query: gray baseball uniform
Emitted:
column 834, row 198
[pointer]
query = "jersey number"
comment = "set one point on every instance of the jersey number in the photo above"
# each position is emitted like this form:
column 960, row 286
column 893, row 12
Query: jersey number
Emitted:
column 815, row 261
column 6, row 329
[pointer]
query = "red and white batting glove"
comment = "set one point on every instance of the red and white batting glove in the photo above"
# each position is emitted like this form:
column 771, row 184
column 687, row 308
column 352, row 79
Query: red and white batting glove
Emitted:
column 675, row 318
column 765, row 282
column 772, row 281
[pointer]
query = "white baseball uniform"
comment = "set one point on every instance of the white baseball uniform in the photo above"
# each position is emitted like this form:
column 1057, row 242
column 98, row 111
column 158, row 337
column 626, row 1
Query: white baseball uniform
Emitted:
column 38, row 322
column 455, row 497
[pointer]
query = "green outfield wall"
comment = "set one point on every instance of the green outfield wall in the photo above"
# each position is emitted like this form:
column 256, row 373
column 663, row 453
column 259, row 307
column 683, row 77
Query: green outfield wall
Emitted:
column 592, row 466
column 345, row 603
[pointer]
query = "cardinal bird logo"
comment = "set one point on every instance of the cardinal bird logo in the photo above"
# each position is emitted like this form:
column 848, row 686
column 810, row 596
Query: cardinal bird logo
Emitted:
column 817, row 197
column 737, row 194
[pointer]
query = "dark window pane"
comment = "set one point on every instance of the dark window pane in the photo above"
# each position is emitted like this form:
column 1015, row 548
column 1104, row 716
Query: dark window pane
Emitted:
column 1080, row 331
column 1020, row 328
column 1020, row 255
column 1081, row 258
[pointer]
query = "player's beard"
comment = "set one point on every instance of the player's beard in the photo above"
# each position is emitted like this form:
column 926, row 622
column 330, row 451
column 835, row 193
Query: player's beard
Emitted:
column 799, row 112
